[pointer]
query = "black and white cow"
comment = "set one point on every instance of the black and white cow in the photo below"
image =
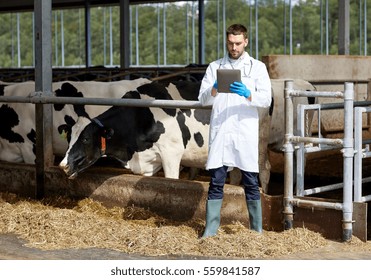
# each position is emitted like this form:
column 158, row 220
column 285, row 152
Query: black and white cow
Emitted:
column 17, row 130
column 148, row 139
column 144, row 139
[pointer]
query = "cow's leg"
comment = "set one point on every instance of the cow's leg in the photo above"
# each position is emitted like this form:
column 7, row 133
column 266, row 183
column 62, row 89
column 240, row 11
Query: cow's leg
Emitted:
column 171, row 167
column 235, row 177
column 264, row 164
column 193, row 172
column 171, row 158
column 27, row 153
column 265, row 171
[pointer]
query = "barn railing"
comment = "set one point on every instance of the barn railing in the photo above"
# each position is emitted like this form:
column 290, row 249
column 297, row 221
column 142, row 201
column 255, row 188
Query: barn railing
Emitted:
column 346, row 206
column 41, row 98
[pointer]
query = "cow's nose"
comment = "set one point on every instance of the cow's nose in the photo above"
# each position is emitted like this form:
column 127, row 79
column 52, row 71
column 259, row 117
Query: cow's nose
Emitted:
column 65, row 167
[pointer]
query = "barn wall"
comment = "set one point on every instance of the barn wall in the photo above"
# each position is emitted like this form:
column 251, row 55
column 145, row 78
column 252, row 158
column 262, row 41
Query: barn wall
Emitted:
column 326, row 73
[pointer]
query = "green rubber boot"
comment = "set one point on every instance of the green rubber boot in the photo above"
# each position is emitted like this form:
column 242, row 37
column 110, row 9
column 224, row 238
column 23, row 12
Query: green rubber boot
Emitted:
column 212, row 217
column 255, row 215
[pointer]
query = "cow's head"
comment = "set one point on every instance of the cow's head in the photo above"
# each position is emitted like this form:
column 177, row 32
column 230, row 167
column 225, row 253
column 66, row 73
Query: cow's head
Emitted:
column 87, row 145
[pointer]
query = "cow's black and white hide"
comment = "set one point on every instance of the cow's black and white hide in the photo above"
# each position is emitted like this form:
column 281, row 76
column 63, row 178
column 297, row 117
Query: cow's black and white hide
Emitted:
column 144, row 139
column 17, row 131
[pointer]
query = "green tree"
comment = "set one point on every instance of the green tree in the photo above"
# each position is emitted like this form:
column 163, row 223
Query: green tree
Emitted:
column 148, row 32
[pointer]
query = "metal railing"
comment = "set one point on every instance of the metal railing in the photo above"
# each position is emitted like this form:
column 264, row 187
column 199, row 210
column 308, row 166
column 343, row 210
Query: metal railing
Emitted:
column 346, row 145
column 40, row 98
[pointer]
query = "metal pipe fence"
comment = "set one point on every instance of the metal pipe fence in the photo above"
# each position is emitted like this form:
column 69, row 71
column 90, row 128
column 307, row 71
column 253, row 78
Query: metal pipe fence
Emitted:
column 39, row 98
column 295, row 144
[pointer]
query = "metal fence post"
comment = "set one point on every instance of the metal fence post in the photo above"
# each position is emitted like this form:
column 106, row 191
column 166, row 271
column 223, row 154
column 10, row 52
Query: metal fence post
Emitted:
column 289, row 158
column 43, row 84
column 348, row 154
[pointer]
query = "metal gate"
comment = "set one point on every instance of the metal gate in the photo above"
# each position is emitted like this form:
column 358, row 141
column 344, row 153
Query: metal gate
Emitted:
column 295, row 143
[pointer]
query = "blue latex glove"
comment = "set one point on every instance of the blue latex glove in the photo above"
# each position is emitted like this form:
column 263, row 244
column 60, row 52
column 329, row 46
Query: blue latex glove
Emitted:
column 240, row 89
column 215, row 85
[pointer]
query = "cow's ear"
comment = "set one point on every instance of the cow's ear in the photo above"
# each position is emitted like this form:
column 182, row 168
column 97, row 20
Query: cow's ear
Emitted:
column 108, row 133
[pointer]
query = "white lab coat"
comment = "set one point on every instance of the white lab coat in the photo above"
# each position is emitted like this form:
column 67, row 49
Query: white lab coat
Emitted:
column 234, row 123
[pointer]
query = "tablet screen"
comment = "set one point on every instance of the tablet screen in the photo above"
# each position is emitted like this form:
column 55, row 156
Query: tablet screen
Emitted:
column 226, row 77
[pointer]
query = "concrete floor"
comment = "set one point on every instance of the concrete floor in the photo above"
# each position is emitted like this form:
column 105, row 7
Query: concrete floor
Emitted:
column 13, row 248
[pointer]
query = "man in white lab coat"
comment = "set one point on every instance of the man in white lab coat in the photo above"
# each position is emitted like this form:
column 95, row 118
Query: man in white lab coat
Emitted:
column 234, row 127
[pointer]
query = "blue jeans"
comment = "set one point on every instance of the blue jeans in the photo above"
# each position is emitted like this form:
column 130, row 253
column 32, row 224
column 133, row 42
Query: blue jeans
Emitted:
column 218, row 175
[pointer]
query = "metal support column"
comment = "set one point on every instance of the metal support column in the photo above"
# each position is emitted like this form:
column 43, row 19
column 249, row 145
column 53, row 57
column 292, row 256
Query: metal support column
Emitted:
column 348, row 154
column 87, row 34
column 289, row 158
column 343, row 30
column 43, row 83
column 201, row 32
column 124, row 34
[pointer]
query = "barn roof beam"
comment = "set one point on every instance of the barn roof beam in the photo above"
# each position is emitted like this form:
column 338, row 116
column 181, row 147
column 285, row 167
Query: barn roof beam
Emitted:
column 28, row 5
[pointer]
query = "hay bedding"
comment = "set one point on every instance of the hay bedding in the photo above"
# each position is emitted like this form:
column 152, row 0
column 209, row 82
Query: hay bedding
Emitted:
column 61, row 223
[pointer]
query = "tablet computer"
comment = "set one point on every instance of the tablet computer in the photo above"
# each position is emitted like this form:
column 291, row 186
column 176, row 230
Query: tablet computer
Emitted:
column 225, row 77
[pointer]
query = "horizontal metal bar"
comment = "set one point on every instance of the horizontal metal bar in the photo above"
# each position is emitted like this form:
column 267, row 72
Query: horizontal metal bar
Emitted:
column 323, row 189
column 317, row 204
column 366, row 198
column 315, row 140
column 37, row 99
column 321, row 148
column 304, row 93
column 339, row 81
column 366, row 180
column 334, row 106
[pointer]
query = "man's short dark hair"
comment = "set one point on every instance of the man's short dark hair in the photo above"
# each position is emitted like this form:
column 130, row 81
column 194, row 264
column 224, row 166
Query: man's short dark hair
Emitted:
column 237, row 29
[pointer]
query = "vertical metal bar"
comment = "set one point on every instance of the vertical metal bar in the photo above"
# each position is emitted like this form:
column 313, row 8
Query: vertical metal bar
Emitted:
column 187, row 34
column 224, row 27
column 343, row 42
column 218, row 29
column 33, row 41
column 365, row 26
column 327, row 35
column 136, row 35
column 201, row 32
column 300, row 153
column 124, row 34
column 56, row 54
column 358, row 154
column 348, row 154
column 87, row 34
column 321, row 26
column 360, row 26
column 164, row 33
column 250, row 27
column 289, row 158
column 256, row 30
column 193, row 33
column 290, row 15
column 62, row 38
column 18, row 42
column 110, row 38
column 158, row 35
column 43, row 83
column 104, row 37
